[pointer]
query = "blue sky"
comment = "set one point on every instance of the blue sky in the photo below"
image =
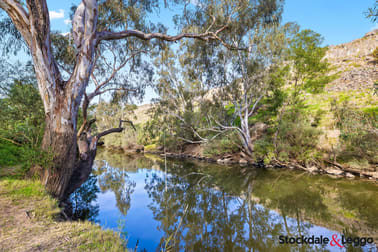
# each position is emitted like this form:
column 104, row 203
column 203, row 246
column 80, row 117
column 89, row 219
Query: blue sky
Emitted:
column 338, row 21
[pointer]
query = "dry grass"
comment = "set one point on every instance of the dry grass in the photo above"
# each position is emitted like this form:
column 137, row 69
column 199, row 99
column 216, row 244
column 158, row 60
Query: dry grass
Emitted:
column 28, row 223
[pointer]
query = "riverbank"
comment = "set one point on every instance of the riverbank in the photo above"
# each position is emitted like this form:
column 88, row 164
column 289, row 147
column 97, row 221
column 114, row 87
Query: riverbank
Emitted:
column 326, row 167
column 30, row 221
column 332, row 169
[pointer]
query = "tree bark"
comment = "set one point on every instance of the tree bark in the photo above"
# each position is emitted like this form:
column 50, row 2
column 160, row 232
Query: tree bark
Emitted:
column 73, row 153
column 61, row 142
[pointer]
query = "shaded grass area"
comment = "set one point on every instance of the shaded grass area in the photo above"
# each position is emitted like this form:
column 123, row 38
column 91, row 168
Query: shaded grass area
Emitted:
column 29, row 222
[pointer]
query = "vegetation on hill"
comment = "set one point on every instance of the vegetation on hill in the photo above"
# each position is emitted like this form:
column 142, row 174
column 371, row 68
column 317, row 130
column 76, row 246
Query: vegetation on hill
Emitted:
column 298, row 119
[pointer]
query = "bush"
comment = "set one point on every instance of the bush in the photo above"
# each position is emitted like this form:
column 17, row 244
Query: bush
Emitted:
column 375, row 54
column 227, row 143
column 21, row 158
column 359, row 137
column 264, row 149
column 297, row 139
column 9, row 153
column 22, row 116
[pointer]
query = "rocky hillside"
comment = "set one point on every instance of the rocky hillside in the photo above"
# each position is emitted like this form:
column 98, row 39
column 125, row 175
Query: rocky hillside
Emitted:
column 354, row 64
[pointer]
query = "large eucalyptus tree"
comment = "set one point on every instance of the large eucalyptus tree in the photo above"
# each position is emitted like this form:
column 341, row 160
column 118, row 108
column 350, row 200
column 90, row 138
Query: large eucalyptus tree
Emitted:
column 210, row 23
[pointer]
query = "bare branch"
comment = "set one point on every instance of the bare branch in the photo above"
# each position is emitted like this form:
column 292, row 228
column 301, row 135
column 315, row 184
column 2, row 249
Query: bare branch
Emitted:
column 206, row 36
column 255, row 105
column 115, row 130
column 116, row 69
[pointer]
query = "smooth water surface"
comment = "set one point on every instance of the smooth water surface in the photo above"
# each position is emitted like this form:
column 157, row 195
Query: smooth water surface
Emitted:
column 172, row 205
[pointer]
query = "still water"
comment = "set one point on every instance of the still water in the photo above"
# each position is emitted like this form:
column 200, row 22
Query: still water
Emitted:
column 173, row 205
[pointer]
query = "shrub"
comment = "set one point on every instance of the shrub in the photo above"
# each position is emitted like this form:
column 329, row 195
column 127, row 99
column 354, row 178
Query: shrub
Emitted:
column 296, row 137
column 375, row 54
column 359, row 137
column 21, row 158
column 227, row 143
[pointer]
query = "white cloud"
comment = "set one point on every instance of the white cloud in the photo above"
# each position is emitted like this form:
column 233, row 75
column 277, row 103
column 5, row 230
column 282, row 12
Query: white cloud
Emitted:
column 65, row 33
column 67, row 21
column 56, row 14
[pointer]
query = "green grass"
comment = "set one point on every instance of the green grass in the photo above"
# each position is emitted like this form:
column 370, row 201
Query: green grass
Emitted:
column 30, row 195
column 23, row 188
column 20, row 190
column 151, row 147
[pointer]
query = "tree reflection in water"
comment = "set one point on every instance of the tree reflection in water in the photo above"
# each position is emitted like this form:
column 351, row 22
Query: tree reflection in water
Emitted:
column 117, row 181
column 82, row 201
column 218, row 219
column 203, row 207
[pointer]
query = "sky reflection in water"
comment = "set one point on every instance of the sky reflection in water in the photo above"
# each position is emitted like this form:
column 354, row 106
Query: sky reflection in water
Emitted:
column 206, row 207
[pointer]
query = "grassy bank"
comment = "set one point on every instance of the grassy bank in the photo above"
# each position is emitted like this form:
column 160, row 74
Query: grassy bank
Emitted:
column 29, row 222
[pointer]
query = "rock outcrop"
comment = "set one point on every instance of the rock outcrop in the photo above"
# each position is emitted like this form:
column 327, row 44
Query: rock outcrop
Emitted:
column 354, row 64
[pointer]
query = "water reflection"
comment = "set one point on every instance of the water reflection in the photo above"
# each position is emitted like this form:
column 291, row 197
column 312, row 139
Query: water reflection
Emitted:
column 118, row 182
column 202, row 207
column 217, row 218
column 83, row 201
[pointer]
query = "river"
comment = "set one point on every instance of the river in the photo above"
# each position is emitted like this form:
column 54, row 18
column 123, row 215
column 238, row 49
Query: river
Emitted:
column 175, row 205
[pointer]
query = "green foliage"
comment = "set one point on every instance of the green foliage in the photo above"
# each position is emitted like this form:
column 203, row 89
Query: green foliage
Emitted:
column 227, row 143
column 9, row 153
column 359, row 138
column 372, row 13
column 150, row 147
column 21, row 158
column 21, row 129
column 264, row 149
column 22, row 118
column 110, row 114
column 296, row 138
column 309, row 66
column 150, row 132
column 375, row 54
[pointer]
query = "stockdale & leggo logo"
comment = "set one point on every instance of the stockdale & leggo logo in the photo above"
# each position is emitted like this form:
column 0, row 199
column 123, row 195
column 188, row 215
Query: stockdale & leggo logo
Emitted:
column 335, row 241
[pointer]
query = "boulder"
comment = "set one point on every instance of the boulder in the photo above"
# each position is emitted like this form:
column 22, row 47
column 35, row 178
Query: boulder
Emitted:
column 372, row 174
column 349, row 175
column 225, row 161
column 334, row 171
column 243, row 161
column 312, row 169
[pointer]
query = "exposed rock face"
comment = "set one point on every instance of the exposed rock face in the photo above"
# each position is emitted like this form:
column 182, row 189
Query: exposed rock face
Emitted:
column 354, row 63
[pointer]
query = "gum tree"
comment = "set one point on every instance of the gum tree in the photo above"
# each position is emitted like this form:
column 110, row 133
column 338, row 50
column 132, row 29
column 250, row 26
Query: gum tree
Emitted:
column 211, row 23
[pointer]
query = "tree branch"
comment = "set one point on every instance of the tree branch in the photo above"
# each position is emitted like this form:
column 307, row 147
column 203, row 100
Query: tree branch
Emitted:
column 206, row 36
column 19, row 16
column 114, row 130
